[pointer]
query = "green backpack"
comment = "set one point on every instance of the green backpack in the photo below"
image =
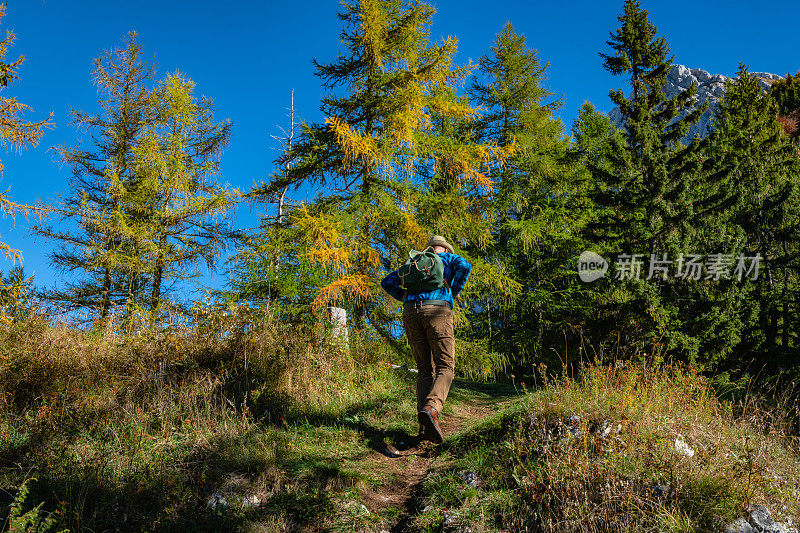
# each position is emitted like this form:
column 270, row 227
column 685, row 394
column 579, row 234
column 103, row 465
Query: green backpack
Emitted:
column 422, row 272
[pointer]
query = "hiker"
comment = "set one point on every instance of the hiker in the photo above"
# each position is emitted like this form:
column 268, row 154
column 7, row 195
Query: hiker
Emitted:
column 428, row 321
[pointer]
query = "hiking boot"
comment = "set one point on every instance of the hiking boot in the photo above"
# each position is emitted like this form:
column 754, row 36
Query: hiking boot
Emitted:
column 429, row 418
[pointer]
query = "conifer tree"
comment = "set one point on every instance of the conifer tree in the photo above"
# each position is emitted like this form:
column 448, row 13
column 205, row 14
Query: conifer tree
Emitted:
column 643, row 186
column 269, row 270
column 751, row 203
column 378, row 148
column 786, row 93
column 109, row 266
column 174, row 208
column 15, row 132
column 538, row 206
column 651, row 169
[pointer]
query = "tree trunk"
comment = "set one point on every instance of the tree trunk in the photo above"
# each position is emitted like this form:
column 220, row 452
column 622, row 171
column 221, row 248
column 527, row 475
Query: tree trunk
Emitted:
column 155, row 295
column 785, row 320
column 130, row 301
column 105, row 305
column 772, row 328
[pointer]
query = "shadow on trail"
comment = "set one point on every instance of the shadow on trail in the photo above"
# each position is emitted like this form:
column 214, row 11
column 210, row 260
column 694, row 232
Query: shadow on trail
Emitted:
column 375, row 438
column 318, row 472
column 485, row 391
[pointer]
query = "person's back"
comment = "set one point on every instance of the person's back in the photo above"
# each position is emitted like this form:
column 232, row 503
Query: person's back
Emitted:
column 428, row 322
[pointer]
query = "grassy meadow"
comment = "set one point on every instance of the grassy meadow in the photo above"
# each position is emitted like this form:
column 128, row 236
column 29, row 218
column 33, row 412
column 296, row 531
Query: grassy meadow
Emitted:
column 239, row 423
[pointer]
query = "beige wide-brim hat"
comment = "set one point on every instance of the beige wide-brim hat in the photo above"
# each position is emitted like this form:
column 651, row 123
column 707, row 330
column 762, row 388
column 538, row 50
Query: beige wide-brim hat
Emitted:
column 438, row 240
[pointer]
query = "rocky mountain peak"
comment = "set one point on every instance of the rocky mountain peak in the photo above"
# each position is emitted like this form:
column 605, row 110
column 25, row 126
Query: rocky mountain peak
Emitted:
column 710, row 87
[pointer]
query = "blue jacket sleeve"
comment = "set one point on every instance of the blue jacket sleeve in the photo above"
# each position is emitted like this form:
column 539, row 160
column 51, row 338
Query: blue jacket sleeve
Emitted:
column 461, row 270
column 391, row 284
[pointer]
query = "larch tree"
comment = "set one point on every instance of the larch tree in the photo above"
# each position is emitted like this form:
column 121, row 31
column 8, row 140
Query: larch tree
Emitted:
column 15, row 131
column 372, row 157
column 176, row 208
column 539, row 205
column 110, row 268
column 269, row 269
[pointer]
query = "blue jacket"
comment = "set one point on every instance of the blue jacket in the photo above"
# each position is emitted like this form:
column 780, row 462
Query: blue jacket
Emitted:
column 456, row 271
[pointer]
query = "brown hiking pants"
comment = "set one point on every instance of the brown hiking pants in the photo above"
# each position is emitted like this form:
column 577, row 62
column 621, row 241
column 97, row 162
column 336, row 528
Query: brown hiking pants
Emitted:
column 429, row 329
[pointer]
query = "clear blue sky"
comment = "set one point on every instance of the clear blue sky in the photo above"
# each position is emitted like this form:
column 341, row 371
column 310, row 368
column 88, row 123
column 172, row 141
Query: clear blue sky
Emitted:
column 248, row 55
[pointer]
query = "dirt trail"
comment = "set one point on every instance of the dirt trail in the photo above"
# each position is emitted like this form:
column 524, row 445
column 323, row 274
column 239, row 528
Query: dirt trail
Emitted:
column 408, row 467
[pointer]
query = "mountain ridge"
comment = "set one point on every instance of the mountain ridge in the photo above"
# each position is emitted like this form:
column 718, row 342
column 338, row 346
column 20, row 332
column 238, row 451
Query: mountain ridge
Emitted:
column 710, row 87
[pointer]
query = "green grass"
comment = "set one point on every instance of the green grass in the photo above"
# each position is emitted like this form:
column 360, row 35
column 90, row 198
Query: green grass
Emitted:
column 137, row 433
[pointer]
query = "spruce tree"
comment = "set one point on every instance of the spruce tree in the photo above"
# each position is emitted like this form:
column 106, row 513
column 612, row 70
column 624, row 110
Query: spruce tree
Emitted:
column 643, row 189
column 786, row 93
column 750, row 203
column 650, row 177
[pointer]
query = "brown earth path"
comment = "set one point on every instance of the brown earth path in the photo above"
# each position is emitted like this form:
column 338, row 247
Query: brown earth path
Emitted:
column 408, row 465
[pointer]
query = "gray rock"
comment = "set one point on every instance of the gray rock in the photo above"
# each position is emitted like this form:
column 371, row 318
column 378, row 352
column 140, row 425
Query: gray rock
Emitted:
column 760, row 518
column 217, row 501
column 700, row 75
column 663, row 492
column 710, row 87
column 768, row 76
column 469, row 478
column 361, row 510
column 682, row 448
column 605, row 429
column 740, row 525
column 572, row 425
column 251, row 501
column 775, row 528
column 574, row 432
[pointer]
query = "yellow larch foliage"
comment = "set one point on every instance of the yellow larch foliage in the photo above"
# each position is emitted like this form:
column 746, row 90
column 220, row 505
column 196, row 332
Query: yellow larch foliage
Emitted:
column 369, row 259
column 357, row 147
column 486, row 156
column 456, row 110
column 410, row 118
column 374, row 23
column 14, row 131
column 480, row 179
column 410, row 228
column 326, row 241
column 352, row 287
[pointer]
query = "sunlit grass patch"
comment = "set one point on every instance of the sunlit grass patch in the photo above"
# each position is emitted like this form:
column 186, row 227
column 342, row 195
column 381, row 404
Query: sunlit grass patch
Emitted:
column 628, row 448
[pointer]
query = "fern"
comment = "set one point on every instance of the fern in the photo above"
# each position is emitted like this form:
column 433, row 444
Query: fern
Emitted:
column 32, row 521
